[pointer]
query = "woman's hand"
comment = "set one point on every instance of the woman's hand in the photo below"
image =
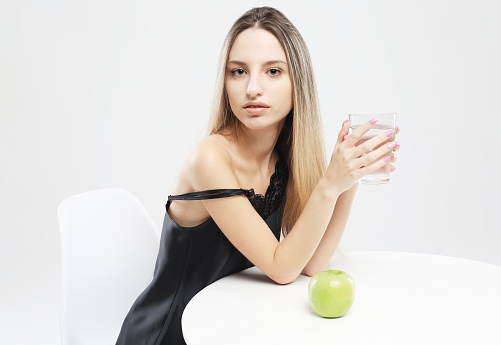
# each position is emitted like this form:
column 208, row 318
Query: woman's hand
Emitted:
column 349, row 163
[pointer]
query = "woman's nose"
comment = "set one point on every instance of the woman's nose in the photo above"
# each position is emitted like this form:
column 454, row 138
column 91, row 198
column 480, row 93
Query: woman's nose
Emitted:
column 254, row 88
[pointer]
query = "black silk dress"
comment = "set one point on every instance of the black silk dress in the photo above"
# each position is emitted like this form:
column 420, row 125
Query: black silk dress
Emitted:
column 190, row 259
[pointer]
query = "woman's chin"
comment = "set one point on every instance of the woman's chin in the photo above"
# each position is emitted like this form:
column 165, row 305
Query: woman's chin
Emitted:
column 260, row 123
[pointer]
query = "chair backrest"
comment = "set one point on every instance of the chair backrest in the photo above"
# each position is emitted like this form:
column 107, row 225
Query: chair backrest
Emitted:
column 109, row 246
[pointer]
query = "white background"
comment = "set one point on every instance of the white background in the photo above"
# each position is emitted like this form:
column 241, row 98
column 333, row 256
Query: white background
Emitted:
column 97, row 94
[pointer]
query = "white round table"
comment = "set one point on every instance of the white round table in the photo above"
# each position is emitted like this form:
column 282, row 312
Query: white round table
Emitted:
column 400, row 298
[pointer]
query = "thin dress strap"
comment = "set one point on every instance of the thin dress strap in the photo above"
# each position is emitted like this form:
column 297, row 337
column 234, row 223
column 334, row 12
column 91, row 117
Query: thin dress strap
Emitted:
column 208, row 194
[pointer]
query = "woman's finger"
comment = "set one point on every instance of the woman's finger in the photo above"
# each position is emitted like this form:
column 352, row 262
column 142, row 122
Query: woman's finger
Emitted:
column 359, row 132
column 373, row 167
column 396, row 147
column 373, row 143
column 393, row 158
column 343, row 132
column 373, row 156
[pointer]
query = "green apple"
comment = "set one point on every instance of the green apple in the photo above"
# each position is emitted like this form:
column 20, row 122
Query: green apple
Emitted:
column 331, row 293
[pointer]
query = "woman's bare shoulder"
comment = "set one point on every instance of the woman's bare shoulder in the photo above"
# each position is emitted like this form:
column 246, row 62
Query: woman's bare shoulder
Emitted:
column 208, row 159
column 210, row 151
column 209, row 165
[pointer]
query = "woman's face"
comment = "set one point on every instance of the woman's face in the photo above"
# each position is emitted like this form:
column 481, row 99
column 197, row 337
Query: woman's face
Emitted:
column 258, row 82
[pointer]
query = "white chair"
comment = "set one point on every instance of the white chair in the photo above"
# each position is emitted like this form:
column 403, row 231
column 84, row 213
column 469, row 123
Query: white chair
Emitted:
column 109, row 246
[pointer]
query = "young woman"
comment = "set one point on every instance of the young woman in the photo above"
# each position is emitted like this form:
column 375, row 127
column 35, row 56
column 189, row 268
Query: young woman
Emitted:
column 260, row 170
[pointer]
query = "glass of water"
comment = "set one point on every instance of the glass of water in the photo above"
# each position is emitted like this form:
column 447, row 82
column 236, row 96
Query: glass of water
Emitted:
column 385, row 123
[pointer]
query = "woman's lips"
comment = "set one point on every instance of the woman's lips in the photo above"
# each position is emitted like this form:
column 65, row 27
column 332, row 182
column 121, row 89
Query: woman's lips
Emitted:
column 256, row 108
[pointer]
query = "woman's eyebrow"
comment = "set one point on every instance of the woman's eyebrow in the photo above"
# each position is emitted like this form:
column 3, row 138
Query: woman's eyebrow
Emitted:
column 267, row 63
column 274, row 62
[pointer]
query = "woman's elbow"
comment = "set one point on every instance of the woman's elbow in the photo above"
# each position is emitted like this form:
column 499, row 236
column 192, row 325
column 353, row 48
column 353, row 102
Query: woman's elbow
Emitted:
column 283, row 279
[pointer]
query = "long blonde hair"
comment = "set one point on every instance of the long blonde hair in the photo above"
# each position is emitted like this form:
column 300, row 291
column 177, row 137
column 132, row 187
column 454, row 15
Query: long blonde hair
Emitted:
column 301, row 141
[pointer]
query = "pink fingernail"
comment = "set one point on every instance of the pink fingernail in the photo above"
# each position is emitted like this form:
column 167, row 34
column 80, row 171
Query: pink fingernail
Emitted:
column 386, row 159
column 390, row 145
column 397, row 145
column 389, row 133
column 373, row 121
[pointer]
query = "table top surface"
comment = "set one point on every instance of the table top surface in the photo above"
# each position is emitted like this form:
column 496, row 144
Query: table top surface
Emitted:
column 400, row 298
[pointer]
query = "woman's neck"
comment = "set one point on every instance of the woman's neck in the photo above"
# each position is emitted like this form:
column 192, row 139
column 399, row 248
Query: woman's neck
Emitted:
column 256, row 147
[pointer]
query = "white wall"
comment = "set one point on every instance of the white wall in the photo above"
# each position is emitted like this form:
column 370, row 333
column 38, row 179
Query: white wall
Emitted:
column 109, row 93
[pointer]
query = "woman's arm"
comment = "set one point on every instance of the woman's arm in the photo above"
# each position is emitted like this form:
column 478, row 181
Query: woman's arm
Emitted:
column 249, row 233
column 333, row 233
column 335, row 229
column 211, row 168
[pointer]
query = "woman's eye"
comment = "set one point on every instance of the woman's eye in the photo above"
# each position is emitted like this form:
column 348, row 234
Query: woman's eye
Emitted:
column 237, row 72
column 274, row 72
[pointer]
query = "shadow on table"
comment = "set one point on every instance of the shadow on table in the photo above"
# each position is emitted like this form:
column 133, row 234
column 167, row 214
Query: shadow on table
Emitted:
column 255, row 275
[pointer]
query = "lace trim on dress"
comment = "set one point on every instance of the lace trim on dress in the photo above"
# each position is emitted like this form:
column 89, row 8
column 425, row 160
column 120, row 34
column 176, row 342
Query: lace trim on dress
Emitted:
column 275, row 193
